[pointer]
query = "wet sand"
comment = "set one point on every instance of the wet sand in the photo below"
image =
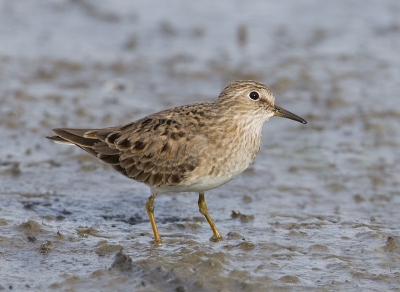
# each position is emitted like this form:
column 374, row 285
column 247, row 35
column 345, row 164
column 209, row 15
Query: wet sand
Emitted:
column 317, row 211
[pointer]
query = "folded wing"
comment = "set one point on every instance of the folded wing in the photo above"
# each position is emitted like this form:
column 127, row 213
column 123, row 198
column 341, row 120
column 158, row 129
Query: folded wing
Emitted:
column 155, row 150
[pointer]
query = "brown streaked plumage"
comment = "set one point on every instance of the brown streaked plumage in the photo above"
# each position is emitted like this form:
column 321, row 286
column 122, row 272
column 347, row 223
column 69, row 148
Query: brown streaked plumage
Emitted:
column 191, row 148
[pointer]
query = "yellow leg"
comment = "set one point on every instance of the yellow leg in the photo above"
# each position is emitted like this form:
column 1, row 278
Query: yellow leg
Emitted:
column 150, row 212
column 203, row 210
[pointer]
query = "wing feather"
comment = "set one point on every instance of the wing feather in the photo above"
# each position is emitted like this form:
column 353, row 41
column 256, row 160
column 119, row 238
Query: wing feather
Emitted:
column 157, row 150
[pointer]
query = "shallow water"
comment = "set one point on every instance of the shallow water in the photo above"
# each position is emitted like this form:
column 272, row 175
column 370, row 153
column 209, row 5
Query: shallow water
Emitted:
column 317, row 211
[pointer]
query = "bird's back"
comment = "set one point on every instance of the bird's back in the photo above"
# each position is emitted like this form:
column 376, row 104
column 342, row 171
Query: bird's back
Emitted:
column 160, row 149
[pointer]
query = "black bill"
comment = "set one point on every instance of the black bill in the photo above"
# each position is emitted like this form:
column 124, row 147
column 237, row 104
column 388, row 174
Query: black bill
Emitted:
column 280, row 112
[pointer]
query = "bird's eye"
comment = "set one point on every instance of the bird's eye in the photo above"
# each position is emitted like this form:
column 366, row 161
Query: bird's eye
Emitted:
column 254, row 95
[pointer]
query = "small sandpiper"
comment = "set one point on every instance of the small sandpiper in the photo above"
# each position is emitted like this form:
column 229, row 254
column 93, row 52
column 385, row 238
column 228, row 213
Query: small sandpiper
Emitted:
column 190, row 148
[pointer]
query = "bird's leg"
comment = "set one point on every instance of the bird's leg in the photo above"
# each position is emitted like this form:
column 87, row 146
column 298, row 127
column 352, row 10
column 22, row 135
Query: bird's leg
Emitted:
column 150, row 212
column 203, row 210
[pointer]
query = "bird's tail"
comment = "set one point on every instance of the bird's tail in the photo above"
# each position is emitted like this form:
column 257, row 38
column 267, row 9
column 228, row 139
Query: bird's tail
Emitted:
column 75, row 137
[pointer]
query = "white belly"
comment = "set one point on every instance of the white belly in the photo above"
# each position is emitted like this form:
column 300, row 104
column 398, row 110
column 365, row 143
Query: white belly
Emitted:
column 202, row 184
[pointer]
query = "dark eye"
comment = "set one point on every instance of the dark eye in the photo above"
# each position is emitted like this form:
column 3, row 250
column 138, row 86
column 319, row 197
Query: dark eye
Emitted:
column 254, row 95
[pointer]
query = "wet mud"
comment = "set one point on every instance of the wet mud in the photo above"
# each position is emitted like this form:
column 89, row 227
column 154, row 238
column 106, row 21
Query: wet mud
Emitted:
column 318, row 210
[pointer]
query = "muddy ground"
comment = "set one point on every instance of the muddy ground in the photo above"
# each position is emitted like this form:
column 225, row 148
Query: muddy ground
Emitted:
column 317, row 211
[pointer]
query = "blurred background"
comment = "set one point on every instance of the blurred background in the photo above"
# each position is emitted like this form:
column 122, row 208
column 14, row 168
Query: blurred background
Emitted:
column 318, row 209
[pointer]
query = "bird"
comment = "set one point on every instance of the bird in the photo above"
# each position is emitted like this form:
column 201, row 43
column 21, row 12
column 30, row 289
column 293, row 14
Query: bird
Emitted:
column 189, row 148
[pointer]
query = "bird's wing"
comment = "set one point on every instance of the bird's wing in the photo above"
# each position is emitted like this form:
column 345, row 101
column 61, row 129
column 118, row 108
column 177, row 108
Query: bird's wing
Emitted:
column 156, row 150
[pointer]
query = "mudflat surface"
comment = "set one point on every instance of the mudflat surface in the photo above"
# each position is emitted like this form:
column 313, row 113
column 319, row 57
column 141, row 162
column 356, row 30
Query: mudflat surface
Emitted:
column 317, row 211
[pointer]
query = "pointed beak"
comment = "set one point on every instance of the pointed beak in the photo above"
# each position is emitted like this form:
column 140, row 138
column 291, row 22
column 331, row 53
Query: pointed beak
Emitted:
column 280, row 112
